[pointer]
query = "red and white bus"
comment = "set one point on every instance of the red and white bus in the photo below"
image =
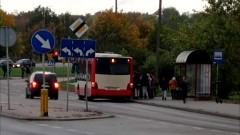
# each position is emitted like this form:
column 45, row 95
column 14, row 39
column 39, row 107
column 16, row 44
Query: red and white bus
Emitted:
column 110, row 76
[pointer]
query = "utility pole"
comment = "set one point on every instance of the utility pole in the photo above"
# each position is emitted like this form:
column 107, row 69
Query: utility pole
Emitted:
column 158, row 39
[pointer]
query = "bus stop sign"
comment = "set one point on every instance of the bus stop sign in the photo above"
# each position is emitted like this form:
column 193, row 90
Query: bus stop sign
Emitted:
column 218, row 57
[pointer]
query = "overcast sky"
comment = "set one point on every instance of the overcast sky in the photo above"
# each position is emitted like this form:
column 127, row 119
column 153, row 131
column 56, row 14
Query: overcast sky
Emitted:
column 81, row 7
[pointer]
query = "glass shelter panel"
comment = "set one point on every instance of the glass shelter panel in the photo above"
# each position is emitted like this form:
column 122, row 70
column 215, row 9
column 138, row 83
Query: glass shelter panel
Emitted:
column 203, row 80
column 190, row 73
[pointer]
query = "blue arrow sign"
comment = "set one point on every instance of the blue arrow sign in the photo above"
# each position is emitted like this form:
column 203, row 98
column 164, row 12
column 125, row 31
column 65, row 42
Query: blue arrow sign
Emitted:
column 43, row 41
column 78, row 48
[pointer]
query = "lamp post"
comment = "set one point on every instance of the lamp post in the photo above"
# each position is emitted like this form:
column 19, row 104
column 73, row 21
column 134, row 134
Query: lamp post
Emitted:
column 158, row 38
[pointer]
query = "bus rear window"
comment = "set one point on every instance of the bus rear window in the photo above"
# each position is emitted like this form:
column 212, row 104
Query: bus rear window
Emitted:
column 112, row 66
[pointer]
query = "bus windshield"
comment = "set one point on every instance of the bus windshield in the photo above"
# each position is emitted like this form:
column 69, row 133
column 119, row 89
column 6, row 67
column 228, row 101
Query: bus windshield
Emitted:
column 113, row 66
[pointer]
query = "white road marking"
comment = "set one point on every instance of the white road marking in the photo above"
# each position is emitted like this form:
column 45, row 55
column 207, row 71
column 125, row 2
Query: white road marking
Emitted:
column 232, row 133
column 179, row 125
column 198, row 128
column 217, row 131
column 56, row 127
column 73, row 130
column 86, row 132
column 45, row 125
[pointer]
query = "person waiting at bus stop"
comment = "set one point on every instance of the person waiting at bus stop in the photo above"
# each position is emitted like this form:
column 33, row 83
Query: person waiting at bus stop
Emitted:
column 137, row 85
column 164, row 86
column 173, row 87
column 185, row 88
column 145, row 85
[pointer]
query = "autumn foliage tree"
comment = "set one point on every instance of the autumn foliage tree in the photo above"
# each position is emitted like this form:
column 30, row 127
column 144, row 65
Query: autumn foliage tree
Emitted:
column 115, row 31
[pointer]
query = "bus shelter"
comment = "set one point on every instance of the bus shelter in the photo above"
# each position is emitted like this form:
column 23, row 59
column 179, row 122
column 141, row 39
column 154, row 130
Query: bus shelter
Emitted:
column 196, row 66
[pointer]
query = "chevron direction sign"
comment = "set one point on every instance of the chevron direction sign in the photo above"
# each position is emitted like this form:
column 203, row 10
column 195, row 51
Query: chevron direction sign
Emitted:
column 77, row 48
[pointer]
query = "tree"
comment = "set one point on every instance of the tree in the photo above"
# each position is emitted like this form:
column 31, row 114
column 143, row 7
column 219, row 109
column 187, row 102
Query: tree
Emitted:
column 224, row 23
column 215, row 29
column 114, row 31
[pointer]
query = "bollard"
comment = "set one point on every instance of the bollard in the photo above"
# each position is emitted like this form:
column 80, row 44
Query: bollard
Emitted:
column 44, row 102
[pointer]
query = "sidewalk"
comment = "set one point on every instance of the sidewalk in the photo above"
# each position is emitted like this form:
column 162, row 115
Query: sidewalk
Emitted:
column 204, row 107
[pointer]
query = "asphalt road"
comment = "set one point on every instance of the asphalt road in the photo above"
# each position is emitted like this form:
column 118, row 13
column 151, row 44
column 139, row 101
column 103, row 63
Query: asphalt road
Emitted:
column 130, row 119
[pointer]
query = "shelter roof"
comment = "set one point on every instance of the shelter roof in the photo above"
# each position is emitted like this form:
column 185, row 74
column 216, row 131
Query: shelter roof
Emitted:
column 193, row 57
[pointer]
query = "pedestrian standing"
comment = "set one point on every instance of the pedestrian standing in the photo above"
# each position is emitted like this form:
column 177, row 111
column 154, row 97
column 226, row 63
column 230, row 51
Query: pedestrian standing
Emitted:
column 173, row 87
column 149, row 89
column 164, row 87
column 145, row 85
column 23, row 70
column 185, row 88
column 28, row 70
column 137, row 85
column 4, row 69
column 154, row 85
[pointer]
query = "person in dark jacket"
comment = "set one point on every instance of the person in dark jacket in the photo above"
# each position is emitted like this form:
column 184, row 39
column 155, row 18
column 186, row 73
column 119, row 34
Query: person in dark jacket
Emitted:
column 23, row 70
column 137, row 85
column 4, row 69
column 145, row 85
column 184, row 87
column 164, row 86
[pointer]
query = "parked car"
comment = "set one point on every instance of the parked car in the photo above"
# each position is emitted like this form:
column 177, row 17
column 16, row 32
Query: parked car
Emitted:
column 3, row 61
column 24, row 62
column 35, row 84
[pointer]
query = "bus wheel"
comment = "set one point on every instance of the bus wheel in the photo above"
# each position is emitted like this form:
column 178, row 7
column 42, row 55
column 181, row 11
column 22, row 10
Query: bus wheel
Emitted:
column 80, row 97
column 90, row 98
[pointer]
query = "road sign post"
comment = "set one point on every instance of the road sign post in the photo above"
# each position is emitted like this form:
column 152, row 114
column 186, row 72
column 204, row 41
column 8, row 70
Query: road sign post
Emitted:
column 79, row 27
column 218, row 57
column 43, row 42
column 7, row 39
column 78, row 49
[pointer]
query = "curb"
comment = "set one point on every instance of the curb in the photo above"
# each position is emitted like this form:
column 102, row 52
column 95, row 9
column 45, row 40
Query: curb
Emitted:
column 191, row 110
column 67, row 118
column 30, row 112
